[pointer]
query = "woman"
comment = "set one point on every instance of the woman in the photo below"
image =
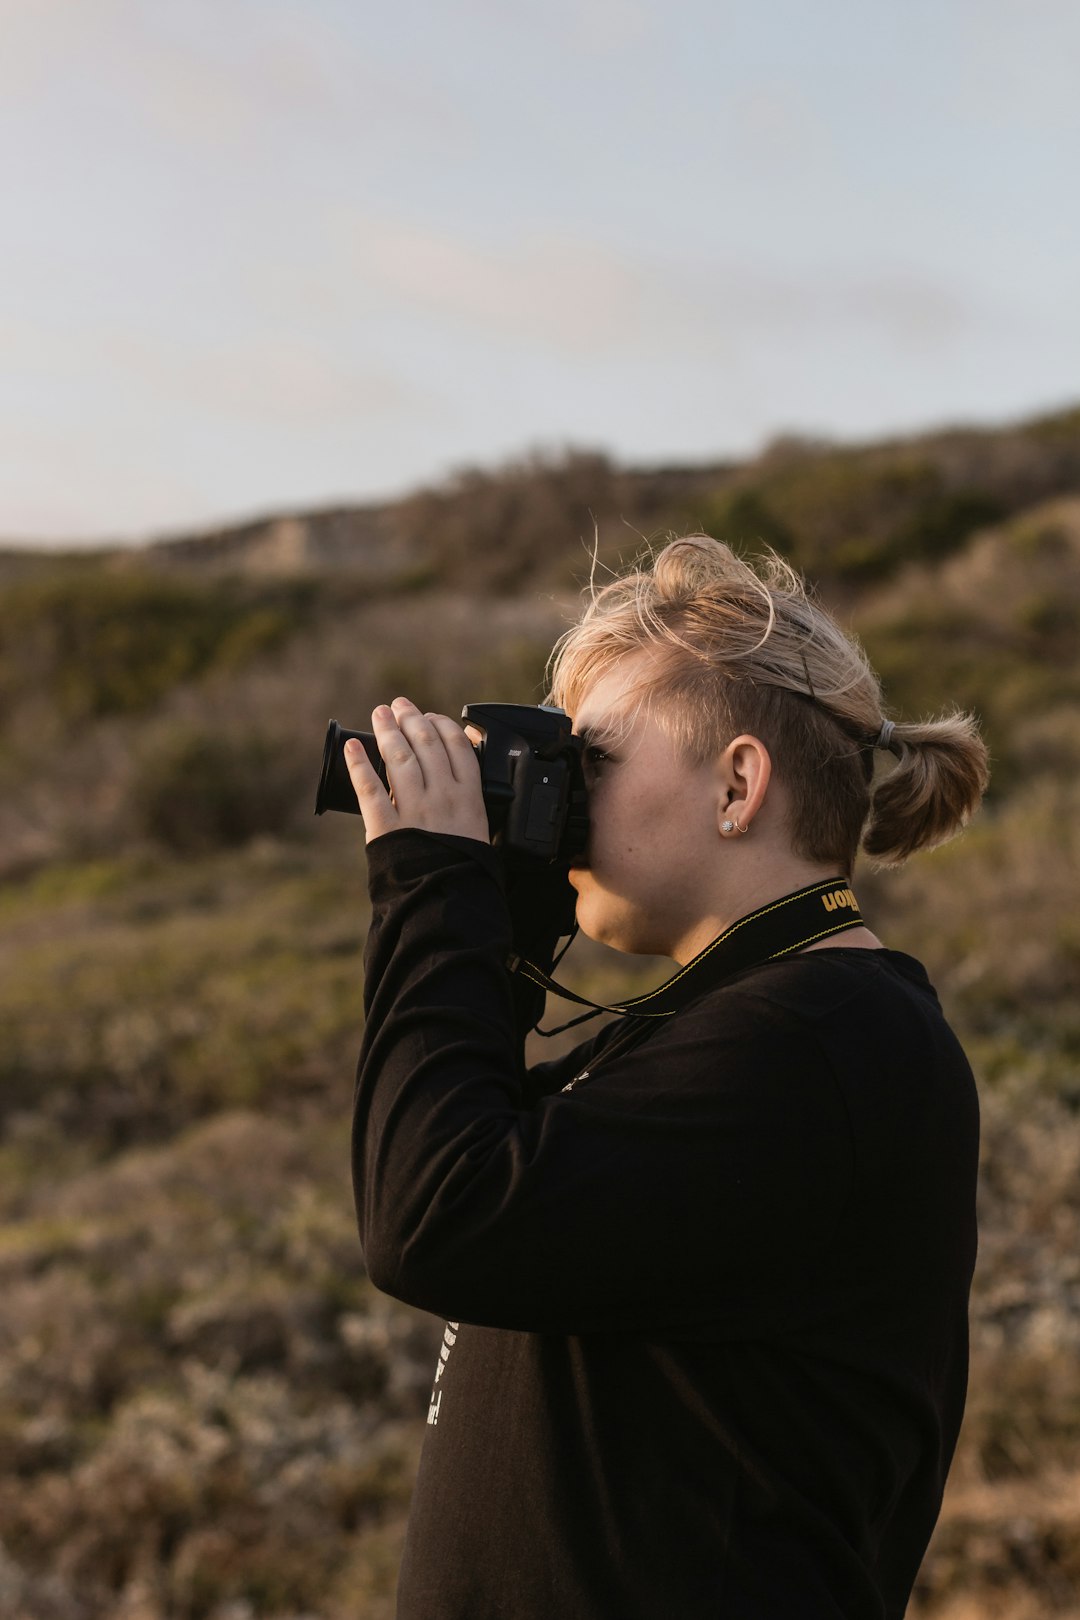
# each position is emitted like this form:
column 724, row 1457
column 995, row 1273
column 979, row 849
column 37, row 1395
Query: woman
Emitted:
column 706, row 1277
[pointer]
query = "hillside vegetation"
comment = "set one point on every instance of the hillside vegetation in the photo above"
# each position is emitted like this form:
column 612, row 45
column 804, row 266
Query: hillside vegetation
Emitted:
column 206, row 1412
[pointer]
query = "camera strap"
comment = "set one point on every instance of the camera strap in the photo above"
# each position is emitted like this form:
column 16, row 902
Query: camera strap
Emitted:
column 775, row 930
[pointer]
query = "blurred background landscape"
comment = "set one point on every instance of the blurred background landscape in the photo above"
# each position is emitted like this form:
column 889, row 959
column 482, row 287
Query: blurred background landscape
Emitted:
column 333, row 337
column 205, row 1411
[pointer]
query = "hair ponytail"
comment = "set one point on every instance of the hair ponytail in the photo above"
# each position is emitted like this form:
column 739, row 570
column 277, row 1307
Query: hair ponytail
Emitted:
column 941, row 774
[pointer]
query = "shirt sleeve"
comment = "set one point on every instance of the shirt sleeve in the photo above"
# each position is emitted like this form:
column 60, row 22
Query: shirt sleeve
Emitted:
column 686, row 1184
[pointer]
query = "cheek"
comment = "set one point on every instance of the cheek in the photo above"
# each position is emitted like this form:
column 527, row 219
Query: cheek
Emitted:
column 616, row 830
column 627, row 853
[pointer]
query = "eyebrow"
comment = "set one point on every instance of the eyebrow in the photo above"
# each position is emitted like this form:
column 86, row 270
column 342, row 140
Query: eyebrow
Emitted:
column 599, row 735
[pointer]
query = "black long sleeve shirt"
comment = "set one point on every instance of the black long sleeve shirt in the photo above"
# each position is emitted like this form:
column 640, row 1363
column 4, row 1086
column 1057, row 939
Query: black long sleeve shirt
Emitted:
column 707, row 1310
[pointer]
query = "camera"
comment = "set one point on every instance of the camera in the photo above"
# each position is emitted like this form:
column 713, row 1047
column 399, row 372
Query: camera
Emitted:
column 530, row 775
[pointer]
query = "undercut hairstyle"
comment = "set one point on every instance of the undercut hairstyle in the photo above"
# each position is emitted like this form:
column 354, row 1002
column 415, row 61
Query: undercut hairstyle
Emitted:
column 738, row 646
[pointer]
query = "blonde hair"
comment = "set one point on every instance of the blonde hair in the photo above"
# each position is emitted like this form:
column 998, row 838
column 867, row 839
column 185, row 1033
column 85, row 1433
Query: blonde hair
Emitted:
column 739, row 647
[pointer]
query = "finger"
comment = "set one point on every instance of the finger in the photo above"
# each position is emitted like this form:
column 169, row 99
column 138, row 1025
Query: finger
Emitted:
column 459, row 750
column 423, row 737
column 426, row 792
column 434, row 746
column 376, row 809
column 402, row 766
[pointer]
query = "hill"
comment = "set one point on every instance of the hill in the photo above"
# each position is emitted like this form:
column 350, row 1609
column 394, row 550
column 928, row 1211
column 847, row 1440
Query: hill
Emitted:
column 205, row 1409
column 840, row 512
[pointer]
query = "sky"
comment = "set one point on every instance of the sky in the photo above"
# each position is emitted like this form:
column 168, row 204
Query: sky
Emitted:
column 259, row 255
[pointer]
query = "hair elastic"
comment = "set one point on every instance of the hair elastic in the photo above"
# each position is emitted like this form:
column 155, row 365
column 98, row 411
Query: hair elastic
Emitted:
column 884, row 738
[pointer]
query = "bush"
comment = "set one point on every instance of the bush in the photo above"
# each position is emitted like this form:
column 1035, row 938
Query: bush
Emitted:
column 497, row 531
column 746, row 522
column 848, row 515
column 200, row 789
column 104, row 642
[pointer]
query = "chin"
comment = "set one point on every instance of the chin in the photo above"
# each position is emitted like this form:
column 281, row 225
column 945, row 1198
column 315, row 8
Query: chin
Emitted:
column 590, row 909
column 618, row 933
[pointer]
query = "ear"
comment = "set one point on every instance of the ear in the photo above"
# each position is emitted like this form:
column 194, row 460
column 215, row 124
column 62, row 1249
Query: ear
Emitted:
column 745, row 770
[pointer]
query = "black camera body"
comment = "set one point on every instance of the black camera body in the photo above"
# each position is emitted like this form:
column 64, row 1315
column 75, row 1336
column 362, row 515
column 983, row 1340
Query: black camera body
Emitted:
column 530, row 775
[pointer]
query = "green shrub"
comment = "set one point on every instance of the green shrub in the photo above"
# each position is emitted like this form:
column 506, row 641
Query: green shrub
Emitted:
column 199, row 789
column 848, row 515
column 744, row 519
column 941, row 524
column 103, row 642
column 842, row 509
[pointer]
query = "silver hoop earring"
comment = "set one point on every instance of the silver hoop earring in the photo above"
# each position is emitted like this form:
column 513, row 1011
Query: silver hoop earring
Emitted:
column 739, row 828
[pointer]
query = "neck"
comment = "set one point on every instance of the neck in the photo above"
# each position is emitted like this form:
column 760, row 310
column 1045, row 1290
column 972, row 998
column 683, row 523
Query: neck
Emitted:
column 759, row 881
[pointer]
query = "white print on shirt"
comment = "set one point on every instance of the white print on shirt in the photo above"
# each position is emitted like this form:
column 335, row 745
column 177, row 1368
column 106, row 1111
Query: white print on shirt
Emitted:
column 449, row 1340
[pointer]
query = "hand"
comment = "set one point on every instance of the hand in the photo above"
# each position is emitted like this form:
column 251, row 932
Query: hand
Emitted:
column 433, row 771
